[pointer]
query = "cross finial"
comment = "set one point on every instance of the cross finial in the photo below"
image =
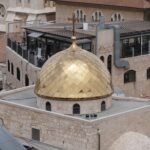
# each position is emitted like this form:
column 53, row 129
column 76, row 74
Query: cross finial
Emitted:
column 73, row 19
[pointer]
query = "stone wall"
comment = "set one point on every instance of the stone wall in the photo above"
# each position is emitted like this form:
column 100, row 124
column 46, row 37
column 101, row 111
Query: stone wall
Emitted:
column 73, row 133
column 55, row 129
column 66, row 107
column 2, row 47
column 25, row 68
column 113, row 127
column 64, row 11
column 140, row 64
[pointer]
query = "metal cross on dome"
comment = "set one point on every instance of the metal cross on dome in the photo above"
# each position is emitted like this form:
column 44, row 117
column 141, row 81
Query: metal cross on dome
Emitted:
column 73, row 19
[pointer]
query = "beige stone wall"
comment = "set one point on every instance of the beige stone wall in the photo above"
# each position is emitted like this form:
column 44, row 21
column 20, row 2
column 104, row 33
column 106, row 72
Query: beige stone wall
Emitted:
column 25, row 68
column 55, row 129
column 141, row 87
column 66, row 107
column 113, row 127
column 2, row 47
column 140, row 64
column 64, row 11
column 73, row 133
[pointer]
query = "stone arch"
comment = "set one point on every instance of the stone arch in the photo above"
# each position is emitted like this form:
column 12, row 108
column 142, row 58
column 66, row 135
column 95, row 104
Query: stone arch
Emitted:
column 96, row 16
column 18, row 73
column 80, row 15
column 102, row 58
column 148, row 73
column 8, row 65
column 48, row 106
column 76, row 109
column 26, row 80
column 2, row 11
column 117, row 17
column 109, row 63
column 103, row 105
column 12, row 68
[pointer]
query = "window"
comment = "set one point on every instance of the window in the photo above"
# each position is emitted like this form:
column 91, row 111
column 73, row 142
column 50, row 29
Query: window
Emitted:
column 148, row 73
column 130, row 76
column 117, row 17
column 103, row 106
column 145, row 44
column 109, row 63
column 80, row 15
column 96, row 16
column 26, row 80
column 36, row 134
column 48, row 106
column 102, row 58
column 2, row 11
column 76, row 109
column 131, row 47
column 12, row 68
column 18, row 74
column 8, row 63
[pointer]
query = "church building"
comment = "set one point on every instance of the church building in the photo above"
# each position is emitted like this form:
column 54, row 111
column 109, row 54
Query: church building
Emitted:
column 112, row 10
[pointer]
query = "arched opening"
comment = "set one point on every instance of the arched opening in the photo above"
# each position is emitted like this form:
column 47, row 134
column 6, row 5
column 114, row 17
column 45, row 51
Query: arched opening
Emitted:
column 109, row 63
column 48, row 106
column 80, row 15
column 148, row 73
column 26, row 80
column 130, row 76
column 117, row 17
column 76, row 109
column 18, row 74
column 8, row 63
column 2, row 11
column 103, row 106
column 12, row 69
column 96, row 16
column 102, row 58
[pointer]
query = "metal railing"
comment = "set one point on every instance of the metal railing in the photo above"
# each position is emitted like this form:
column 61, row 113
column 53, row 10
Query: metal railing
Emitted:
column 29, row 55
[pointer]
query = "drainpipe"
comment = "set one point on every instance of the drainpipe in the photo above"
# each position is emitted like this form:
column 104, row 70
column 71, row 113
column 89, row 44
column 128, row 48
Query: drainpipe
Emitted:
column 99, row 140
column 117, row 46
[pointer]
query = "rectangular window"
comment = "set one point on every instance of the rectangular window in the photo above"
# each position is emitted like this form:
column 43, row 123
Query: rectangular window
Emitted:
column 131, row 47
column 145, row 44
column 36, row 134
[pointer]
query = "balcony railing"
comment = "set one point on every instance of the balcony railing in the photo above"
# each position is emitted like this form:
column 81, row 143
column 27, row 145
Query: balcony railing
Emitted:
column 21, row 49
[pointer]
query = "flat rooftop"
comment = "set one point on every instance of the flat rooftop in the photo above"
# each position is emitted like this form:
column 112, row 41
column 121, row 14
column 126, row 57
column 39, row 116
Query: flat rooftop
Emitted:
column 65, row 29
column 28, row 98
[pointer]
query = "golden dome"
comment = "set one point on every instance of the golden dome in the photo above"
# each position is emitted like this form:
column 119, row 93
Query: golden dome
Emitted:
column 73, row 74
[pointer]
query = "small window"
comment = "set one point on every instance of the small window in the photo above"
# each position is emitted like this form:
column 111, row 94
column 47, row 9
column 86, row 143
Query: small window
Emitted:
column 48, row 106
column 117, row 17
column 35, row 134
column 130, row 76
column 103, row 106
column 76, row 109
column 80, row 15
column 102, row 58
column 12, row 69
column 18, row 74
column 26, row 80
column 109, row 63
column 148, row 73
column 96, row 16
column 8, row 63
